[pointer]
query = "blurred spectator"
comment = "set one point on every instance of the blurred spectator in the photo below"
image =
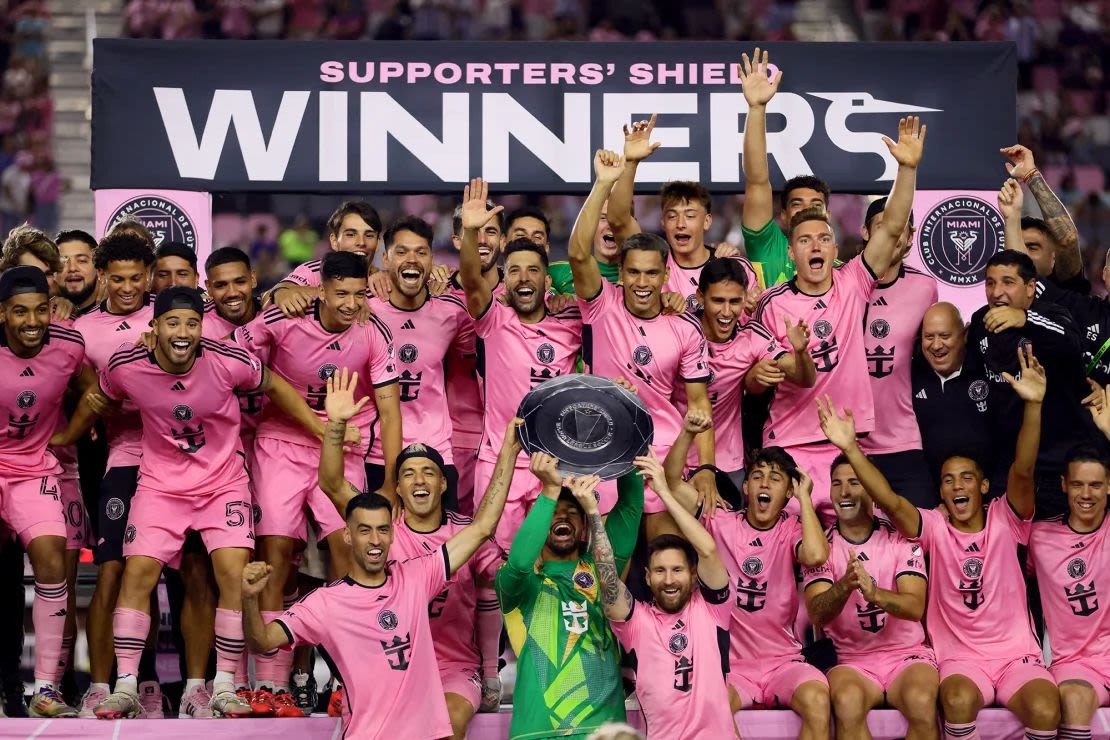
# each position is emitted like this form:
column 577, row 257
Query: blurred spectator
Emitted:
column 298, row 242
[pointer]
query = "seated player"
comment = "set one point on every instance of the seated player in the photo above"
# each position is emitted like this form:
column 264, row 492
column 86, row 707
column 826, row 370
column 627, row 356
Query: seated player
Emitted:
column 375, row 623
column 869, row 597
column 1066, row 552
column 978, row 621
column 761, row 547
column 191, row 478
column 679, row 638
column 465, row 620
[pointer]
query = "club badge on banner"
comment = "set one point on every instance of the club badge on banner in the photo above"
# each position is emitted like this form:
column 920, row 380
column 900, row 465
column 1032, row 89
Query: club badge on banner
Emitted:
column 170, row 216
column 957, row 232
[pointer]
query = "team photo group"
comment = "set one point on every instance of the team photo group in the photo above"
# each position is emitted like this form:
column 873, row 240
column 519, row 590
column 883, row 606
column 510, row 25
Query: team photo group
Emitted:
column 791, row 479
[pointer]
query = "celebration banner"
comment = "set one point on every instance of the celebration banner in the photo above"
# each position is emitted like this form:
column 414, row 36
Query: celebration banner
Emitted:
column 426, row 116
column 169, row 215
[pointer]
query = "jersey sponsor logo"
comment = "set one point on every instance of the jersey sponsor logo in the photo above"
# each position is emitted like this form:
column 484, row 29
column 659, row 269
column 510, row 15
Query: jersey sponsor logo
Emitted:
column 114, row 508
column 1083, row 598
column 752, row 566
column 978, row 392
column 387, row 620
column 545, row 353
column 250, row 403
column 576, row 619
column 26, row 399
column 192, row 437
column 880, row 362
column 641, row 355
column 684, row 674
column 165, row 220
column 20, row 426
column 396, row 651
column 871, row 618
column 410, row 383
column 879, row 328
column 751, row 595
column 678, row 642
column 826, row 356
column 436, row 605
column 584, row 580
column 537, row 375
column 181, row 412
column 957, row 238
column 1077, row 568
column 408, row 353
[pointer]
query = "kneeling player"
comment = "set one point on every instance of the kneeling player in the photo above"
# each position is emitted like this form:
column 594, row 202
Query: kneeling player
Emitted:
column 192, row 477
column 869, row 598
column 978, row 623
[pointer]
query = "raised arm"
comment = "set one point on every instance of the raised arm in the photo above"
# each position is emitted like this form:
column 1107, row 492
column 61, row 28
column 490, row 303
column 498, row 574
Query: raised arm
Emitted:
column 513, row 579
column 637, row 146
column 261, row 636
column 711, row 571
column 907, row 151
column 1069, row 259
column 759, row 201
column 813, row 550
column 615, row 597
column 1030, row 386
column 587, row 277
column 1010, row 200
column 704, row 478
column 387, row 400
column 841, row 431
column 695, row 422
column 341, row 407
column 474, row 216
column 468, row 539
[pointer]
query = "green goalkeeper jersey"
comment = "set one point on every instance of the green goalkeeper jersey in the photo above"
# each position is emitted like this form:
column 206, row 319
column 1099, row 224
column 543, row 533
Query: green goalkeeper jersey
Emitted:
column 568, row 661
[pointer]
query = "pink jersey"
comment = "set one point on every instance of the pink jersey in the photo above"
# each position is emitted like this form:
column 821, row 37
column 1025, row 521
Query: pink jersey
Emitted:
column 861, row 627
column 104, row 333
column 977, row 608
column 31, row 400
column 306, row 274
column 66, row 456
column 517, row 357
column 893, row 319
column 305, row 354
column 191, row 442
column 729, row 362
column 681, row 666
column 761, row 563
column 684, row 280
column 656, row 355
column 251, row 403
column 835, row 320
column 381, row 643
column 1067, row 563
column 422, row 339
column 454, row 611
column 463, row 395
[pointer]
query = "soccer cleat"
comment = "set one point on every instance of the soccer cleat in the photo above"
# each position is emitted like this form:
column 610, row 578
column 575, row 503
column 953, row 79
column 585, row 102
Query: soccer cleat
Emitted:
column 150, row 697
column 335, row 703
column 304, row 692
column 47, row 702
column 90, row 701
column 261, row 702
column 227, row 704
column 285, row 706
column 491, row 695
column 195, row 704
column 119, row 705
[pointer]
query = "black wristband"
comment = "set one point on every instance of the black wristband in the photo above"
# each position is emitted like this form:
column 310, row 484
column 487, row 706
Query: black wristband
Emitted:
column 701, row 468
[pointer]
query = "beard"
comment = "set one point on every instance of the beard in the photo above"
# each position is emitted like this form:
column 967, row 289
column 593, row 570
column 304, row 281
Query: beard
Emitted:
column 79, row 297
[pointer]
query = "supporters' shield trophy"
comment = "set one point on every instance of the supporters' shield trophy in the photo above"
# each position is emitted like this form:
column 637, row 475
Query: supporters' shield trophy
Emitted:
column 589, row 423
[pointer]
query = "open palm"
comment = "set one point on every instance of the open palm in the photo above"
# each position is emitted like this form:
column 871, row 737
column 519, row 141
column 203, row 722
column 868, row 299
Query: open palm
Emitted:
column 907, row 151
column 759, row 88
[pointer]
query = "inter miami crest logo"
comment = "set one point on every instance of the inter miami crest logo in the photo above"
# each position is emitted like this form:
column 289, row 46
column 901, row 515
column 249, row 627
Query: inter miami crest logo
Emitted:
column 114, row 508
column 387, row 620
column 407, row 354
column 880, row 328
column 165, row 220
column 822, row 328
column 641, row 355
column 326, row 371
column 978, row 392
column 678, row 643
column 1077, row 568
column 129, row 534
column 26, row 399
column 545, row 353
column 584, row 580
column 692, row 303
column 752, row 567
column 181, row 412
column 957, row 238
column 973, row 567
column 972, row 588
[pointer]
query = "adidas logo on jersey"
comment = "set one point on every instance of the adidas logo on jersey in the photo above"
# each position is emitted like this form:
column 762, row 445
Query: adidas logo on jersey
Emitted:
column 880, row 302
column 1077, row 546
column 334, row 345
column 756, row 543
column 178, row 386
column 972, row 548
column 820, row 304
column 123, row 325
column 862, row 556
column 408, row 325
column 28, row 373
column 922, row 395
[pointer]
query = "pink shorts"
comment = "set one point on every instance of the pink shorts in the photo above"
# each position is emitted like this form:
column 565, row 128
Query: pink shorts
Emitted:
column 158, row 522
column 285, row 485
column 883, row 668
column 1096, row 673
column 815, row 459
column 997, row 680
column 32, row 507
column 463, row 680
column 465, row 462
column 524, row 490
column 771, row 683
column 73, row 510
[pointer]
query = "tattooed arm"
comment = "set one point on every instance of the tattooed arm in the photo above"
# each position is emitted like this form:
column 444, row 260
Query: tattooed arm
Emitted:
column 1069, row 260
column 615, row 597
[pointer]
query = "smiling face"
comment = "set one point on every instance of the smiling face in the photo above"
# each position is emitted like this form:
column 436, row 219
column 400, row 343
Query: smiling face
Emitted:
column 671, row 579
column 26, row 318
column 1006, row 288
column 525, row 282
column 851, row 502
column 369, row 532
column 606, row 248
column 342, row 299
column 78, row 278
column 177, row 335
column 723, row 303
column 767, row 488
column 813, row 249
column 171, row 271
column 962, row 488
column 643, row 273
column 355, row 235
column 684, row 224
column 1085, row 484
column 565, row 535
column 943, row 339
column 420, row 484
column 126, row 281
column 409, row 262
column 231, row 286
column 530, row 228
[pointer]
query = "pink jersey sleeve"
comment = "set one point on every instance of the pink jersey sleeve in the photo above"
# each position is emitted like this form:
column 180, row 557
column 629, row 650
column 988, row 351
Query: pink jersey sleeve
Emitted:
column 304, row 621
column 486, row 561
column 109, row 386
column 858, row 276
column 1020, row 528
column 257, row 336
column 383, row 369
column 306, row 274
column 599, row 304
column 694, row 362
column 430, row 571
column 628, row 631
column 247, row 376
column 493, row 318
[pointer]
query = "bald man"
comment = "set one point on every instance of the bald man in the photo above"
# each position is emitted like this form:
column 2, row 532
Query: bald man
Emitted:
column 951, row 402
